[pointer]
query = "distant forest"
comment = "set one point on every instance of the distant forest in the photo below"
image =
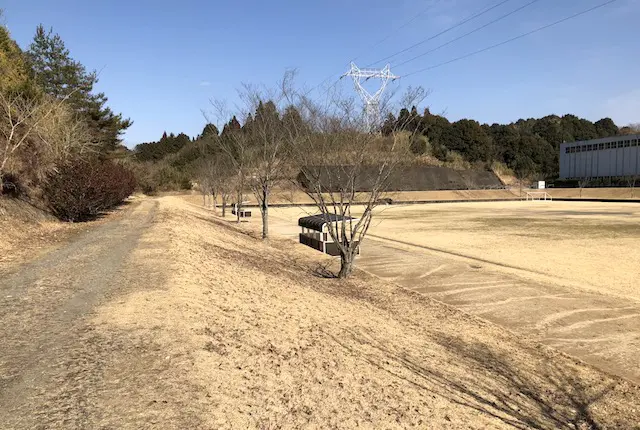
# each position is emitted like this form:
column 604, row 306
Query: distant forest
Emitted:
column 529, row 148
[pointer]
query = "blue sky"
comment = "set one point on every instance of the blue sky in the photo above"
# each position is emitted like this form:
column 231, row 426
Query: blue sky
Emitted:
column 162, row 61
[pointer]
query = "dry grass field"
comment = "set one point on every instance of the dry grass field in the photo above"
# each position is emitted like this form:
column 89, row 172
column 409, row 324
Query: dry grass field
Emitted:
column 564, row 273
column 582, row 244
column 589, row 245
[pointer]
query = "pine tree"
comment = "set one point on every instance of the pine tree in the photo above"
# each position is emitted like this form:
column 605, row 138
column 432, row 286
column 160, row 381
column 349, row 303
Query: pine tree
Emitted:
column 209, row 130
column 61, row 76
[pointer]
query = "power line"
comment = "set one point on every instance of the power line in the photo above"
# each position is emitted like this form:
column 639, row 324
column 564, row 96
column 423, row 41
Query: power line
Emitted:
column 512, row 39
column 469, row 33
column 471, row 18
column 416, row 16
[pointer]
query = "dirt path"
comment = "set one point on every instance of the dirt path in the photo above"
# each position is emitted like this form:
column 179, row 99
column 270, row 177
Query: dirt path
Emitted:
column 43, row 308
column 603, row 330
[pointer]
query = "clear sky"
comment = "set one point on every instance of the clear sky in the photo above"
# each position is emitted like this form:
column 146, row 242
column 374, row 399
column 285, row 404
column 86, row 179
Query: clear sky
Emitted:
column 162, row 61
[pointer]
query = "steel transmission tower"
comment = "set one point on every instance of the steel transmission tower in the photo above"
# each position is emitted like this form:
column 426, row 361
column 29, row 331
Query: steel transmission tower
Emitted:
column 371, row 101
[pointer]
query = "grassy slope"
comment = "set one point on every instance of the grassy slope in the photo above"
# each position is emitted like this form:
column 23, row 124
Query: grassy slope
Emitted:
column 271, row 345
column 25, row 231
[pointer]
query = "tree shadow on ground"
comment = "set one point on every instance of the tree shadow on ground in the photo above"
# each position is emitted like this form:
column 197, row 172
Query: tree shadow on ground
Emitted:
column 528, row 387
column 323, row 270
column 548, row 396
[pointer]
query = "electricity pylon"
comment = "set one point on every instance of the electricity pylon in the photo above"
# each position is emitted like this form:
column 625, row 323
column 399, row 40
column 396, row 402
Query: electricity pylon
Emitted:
column 371, row 101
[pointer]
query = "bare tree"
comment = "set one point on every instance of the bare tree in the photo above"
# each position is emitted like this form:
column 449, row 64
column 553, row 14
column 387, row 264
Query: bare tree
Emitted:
column 630, row 129
column 259, row 150
column 269, row 151
column 235, row 145
column 226, row 188
column 632, row 180
column 24, row 120
column 583, row 183
column 204, row 183
column 523, row 170
column 213, row 172
column 65, row 135
column 345, row 170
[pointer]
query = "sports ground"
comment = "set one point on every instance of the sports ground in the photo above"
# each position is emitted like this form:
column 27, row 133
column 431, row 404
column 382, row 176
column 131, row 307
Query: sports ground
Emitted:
column 563, row 273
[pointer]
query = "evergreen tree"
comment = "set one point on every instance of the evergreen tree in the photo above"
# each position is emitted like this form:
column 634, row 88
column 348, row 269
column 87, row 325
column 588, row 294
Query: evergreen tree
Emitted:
column 61, row 76
column 231, row 126
column 292, row 120
column 470, row 139
column 606, row 127
column 209, row 130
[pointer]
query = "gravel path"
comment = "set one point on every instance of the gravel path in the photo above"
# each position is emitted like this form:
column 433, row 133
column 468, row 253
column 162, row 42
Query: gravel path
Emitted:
column 44, row 304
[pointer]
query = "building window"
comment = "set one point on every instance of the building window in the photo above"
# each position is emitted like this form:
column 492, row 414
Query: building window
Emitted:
column 600, row 146
column 607, row 145
column 566, row 150
column 620, row 144
column 627, row 143
column 634, row 142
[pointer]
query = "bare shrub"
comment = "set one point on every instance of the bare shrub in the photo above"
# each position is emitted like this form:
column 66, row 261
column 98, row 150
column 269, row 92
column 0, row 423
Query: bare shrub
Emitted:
column 84, row 189
column 37, row 134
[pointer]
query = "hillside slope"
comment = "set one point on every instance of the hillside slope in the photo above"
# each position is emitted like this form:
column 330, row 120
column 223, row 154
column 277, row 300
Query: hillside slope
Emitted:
column 24, row 231
column 268, row 344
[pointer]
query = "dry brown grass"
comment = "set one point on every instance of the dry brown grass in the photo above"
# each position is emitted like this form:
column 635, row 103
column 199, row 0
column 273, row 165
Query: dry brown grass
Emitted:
column 582, row 244
column 271, row 345
column 25, row 232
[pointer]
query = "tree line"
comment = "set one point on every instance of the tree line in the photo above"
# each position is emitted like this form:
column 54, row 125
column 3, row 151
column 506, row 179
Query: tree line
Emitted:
column 56, row 129
column 529, row 147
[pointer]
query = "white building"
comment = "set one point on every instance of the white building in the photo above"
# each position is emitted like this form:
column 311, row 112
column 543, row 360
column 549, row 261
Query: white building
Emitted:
column 609, row 157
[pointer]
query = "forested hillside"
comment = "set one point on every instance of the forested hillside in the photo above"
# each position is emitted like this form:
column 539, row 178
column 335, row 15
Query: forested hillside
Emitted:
column 530, row 147
column 57, row 134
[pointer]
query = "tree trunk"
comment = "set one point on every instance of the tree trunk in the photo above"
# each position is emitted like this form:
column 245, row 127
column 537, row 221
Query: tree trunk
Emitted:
column 204, row 199
column 520, row 183
column 224, row 205
column 238, row 207
column 214, row 199
column 265, row 213
column 346, row 264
